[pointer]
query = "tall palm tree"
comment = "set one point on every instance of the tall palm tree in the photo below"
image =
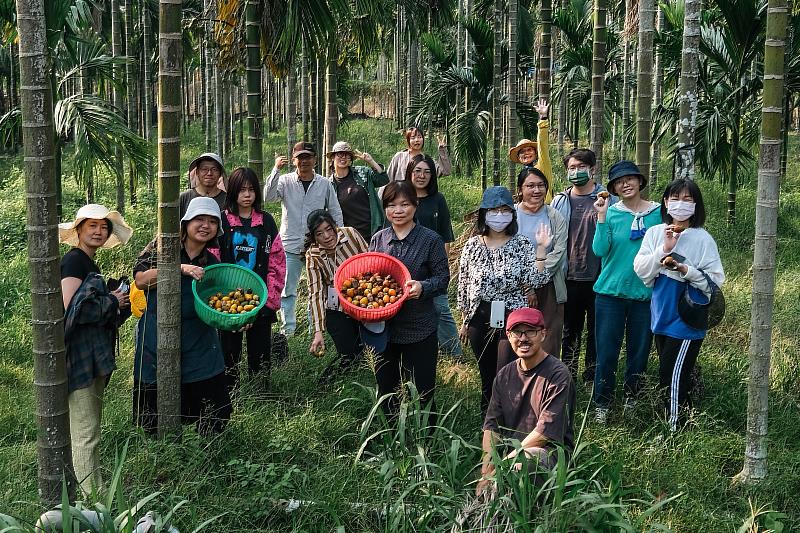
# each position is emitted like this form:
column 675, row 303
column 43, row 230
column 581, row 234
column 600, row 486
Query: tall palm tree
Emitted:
column 769, row 173
column 146, row 53
column 644, row 85
column 168, row 372
column 658, row 97
column 598, row 76
column 513, row 20
column 497, row 84
column 687, row 97
column 131, row 69
column 255, row 120
column 49, row 353
column 543, row 72
column 116, row 46
column 331, row 101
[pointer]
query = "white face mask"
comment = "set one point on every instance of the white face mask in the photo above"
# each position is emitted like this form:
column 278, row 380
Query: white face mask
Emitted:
column 499, row 221
column 680, row 210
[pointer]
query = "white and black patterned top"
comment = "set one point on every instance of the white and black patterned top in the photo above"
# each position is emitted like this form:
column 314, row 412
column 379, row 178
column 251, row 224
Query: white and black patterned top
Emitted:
column 506, row 273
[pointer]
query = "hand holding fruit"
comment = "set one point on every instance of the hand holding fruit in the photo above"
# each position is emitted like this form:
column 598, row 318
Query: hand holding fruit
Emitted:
column 317, row 348
column 195, row 272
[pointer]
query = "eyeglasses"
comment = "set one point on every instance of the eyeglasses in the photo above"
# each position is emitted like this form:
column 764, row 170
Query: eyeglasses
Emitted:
column 536, row 186
column 208, row 170
column 528, row 333
column 422, row 172
column 499, row 211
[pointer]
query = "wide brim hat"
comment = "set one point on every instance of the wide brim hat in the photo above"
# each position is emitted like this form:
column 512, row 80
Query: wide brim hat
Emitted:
column 621, row 169
column 341, row 147
column 203, row 205
column 120, row 231
column 513, row 154
column 208, row 156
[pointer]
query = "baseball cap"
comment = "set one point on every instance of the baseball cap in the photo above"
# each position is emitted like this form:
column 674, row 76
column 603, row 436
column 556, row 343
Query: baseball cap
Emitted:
column 303, row 148
column 526, row 315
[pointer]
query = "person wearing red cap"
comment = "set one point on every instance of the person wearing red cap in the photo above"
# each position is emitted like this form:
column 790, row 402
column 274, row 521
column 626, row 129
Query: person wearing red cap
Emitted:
column 533, row 399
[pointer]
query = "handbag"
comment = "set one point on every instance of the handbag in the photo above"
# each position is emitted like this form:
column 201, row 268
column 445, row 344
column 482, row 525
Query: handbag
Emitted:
column 702, row 315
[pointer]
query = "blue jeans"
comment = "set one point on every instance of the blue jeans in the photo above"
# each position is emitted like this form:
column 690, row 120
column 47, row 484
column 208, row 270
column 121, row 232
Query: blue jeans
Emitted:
column 294, row 267
column 616, row 318
column 448, row 331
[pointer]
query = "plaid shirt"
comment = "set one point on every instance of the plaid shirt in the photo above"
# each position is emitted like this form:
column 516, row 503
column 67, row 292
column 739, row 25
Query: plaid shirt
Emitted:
column 90, row 329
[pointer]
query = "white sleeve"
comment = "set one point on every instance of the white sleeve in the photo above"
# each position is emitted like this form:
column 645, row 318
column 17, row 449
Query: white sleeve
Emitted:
column 271, row 192
column 710, row 263
column 647, row 263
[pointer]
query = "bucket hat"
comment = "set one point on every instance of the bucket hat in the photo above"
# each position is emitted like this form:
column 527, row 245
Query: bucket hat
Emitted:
column 621, row 169
column 203, row 205
column 208, row 156
column 120, row 231
column 496, row 196
column 341, row 147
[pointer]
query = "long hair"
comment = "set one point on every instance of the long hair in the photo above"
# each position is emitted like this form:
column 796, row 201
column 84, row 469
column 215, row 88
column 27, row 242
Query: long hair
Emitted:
column 433, row 184
column 239, row 178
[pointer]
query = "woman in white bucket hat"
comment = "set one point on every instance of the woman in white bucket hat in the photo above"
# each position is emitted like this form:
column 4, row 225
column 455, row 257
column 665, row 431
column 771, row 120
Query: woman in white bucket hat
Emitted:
column 92, row 315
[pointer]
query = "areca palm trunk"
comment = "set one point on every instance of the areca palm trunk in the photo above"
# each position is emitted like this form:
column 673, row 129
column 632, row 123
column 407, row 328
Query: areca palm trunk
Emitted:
column 147, row 103
column 209, row 79
column 49, row 355
column 626, row 82
column 304, row 91
column 658, row 95
column 291, row 109
column 644, row 85
column 219, row 114
column 320, row 104
column 512, row 84
column 598, row 76
column 755, row 456
column 331, row 106
column 255, row 119
column 563, row 126
column 497, row 118
column 687, row 97
column 131, row 68
column 116, row 48
column 543, row 72
column 168, row 372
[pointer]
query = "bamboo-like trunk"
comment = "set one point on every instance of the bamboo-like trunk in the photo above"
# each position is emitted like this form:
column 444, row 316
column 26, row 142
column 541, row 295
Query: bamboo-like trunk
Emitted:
column 764, row 264
column 658, row 96
column 49, row 355
column 209, row 77
column 598, row 77
column 204, row 93
column 291, row 109
column 543, row 72
column 413, row 69
column 255, row 119
column 626, row 86
column 563, row 121
column 131, row 70
column 313, row 111
column 240, row 108
column 687, row 96
column 512, row 85
column 320, row 103
column 116, row 47
column 148, row 105
column 644, row 85
column 304, row 90
column 331, row 111
column 497, row 82
column 219, row 114
column 168, row 372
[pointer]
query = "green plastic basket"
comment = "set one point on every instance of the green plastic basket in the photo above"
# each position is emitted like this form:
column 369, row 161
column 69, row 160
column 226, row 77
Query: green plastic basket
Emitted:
column 224, row 277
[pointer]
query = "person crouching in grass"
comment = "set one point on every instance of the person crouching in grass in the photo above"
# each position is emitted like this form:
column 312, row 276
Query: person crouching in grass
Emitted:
column 533, row 401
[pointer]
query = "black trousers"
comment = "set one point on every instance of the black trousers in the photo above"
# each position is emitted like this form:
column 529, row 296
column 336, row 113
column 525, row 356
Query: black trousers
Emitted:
column 345, row 334
column 491, row 349
column 415, row 362
column 259, row 346
column 204, row 403
column 579, row 311
column 676, row 360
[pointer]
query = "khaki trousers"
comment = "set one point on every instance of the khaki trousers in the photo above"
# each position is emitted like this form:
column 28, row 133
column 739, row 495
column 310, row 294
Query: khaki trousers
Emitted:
column 85, row 411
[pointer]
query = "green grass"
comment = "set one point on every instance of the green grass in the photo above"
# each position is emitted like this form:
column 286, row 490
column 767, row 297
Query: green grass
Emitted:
column 297, row 440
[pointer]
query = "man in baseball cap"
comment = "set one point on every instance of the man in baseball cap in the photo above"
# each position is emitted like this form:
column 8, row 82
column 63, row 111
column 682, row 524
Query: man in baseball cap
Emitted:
column 533, row 401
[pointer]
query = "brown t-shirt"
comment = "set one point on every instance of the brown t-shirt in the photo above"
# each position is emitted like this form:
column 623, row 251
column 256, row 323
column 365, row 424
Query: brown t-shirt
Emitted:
column 542, row 398
column 583, row 265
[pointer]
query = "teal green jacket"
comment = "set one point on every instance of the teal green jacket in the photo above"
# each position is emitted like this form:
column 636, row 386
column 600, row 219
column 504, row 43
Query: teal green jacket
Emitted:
column 613, row 245
column 371, row 180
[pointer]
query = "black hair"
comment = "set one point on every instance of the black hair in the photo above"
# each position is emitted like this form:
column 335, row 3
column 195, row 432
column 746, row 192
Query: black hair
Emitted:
column 410, row 132
column 238, row 179
column 676, row 187
column 527, row 171
column 315, row 219
column 584, row 155
column 481, row 228
column 433, row 184
column 396, row 189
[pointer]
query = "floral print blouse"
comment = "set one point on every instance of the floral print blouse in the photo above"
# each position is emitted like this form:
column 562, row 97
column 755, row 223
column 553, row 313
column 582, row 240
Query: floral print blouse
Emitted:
column 506, row 273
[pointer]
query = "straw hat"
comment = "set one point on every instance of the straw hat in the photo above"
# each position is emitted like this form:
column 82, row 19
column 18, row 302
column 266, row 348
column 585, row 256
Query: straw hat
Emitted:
column 120, row 231
column 513, row 154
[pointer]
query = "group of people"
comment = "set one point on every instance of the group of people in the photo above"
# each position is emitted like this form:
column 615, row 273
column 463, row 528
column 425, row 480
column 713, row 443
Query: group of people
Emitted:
column 536, row 271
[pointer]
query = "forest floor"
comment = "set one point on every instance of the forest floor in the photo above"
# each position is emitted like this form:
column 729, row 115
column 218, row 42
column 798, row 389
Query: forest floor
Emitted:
column 298, row 440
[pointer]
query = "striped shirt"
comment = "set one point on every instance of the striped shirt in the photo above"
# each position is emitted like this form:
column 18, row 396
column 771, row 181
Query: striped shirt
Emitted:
column 321, row 266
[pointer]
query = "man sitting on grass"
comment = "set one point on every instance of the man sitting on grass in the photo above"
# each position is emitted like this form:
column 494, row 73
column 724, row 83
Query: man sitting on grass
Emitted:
column 533, row 399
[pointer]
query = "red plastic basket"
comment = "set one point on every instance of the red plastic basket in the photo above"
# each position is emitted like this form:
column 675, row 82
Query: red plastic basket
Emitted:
column 374, row 262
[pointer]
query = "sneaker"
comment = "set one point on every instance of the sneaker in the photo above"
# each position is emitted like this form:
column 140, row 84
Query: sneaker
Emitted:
column 601, row 415
column 629, row 406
